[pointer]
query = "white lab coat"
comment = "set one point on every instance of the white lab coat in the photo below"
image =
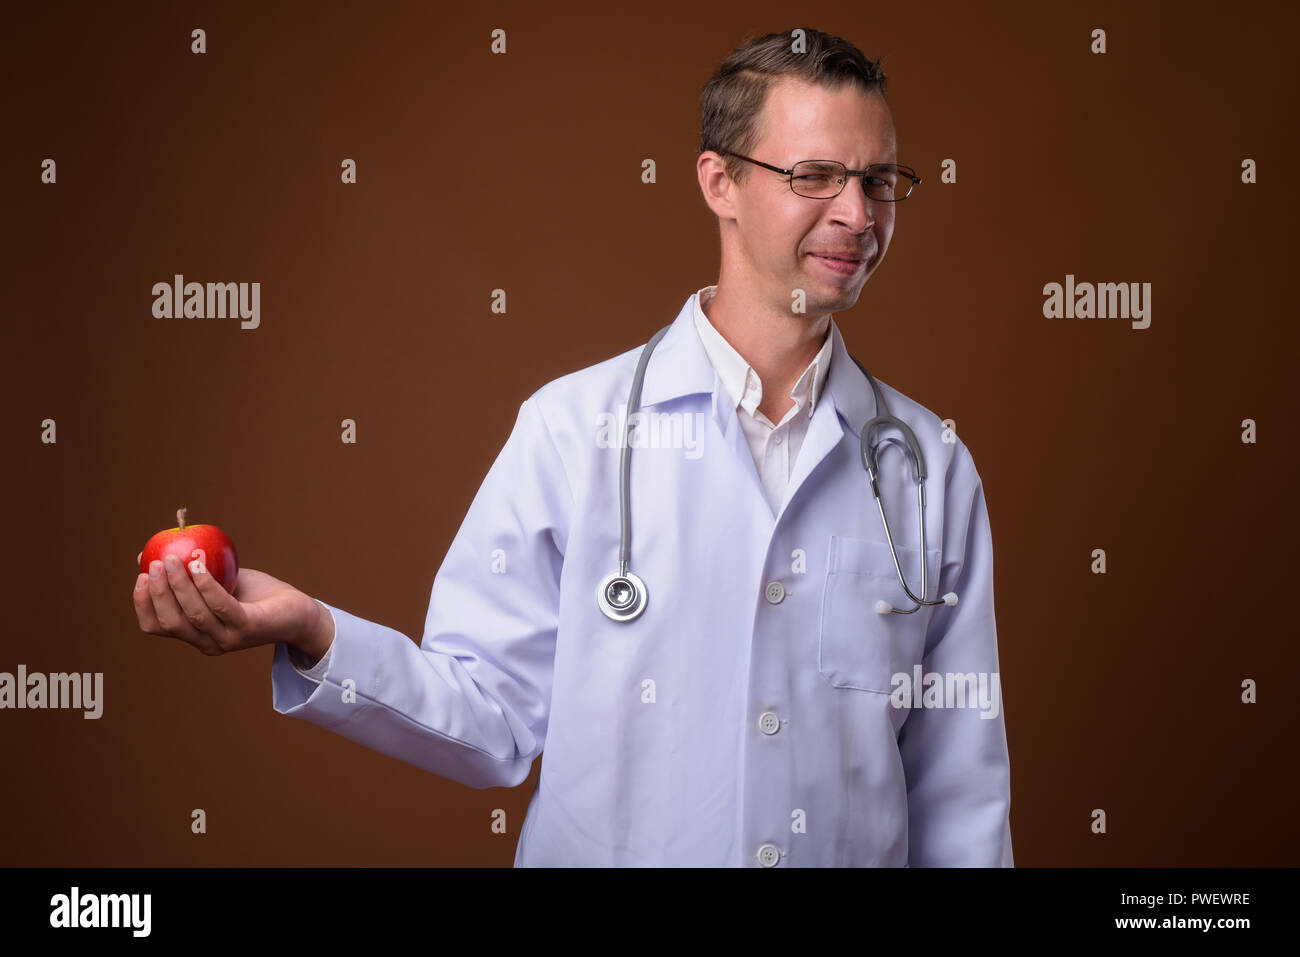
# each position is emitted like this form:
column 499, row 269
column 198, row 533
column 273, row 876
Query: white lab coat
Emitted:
column 735, row 723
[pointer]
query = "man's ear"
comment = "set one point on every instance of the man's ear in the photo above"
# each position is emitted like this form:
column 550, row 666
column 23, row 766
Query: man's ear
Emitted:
column 715, row 185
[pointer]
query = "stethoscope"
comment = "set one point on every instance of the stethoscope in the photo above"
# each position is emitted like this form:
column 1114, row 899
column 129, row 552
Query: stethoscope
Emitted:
column 621, row 595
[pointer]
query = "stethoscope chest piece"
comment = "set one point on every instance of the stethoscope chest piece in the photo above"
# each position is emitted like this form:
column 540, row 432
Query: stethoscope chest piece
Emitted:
column 621, row 596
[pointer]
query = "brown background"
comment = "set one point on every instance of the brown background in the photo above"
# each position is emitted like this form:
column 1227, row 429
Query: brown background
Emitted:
column 1121, row 691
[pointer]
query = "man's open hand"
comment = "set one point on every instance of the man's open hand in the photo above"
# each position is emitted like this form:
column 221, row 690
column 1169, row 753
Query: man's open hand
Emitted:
column 261, row 611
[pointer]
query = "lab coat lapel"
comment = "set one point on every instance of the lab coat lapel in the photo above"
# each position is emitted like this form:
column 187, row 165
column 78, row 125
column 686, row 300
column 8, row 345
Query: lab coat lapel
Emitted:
column 845, row 405
column 738, row 449
column 680, row 366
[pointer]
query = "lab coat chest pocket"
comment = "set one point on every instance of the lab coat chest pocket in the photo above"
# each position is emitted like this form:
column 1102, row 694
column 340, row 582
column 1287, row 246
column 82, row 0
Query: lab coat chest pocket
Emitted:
column 858, row 647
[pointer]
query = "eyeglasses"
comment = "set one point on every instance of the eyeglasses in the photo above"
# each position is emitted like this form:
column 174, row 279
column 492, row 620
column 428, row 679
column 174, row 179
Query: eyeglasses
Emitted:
column 825, row 179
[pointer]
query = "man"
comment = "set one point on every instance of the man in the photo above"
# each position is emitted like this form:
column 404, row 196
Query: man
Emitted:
column 751, row 715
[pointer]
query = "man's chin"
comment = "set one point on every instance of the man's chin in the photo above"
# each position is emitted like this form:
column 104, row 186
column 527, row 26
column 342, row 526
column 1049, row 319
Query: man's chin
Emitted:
column 830, row 297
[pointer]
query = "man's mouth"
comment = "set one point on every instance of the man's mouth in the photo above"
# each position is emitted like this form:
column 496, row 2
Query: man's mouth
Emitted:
column 843, row 263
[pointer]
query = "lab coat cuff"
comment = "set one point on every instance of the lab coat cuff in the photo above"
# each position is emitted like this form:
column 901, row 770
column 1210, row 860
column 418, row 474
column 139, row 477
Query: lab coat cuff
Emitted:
column 319, row 694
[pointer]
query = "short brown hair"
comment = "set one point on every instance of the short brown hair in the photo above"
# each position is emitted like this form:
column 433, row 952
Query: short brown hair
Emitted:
column 733, row 98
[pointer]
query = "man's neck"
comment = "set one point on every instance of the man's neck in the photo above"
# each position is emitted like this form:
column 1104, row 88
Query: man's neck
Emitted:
column 779, row 345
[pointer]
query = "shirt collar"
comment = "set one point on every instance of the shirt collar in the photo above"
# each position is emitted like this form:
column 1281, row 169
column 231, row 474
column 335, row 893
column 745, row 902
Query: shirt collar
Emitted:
column 739, row 378
column 680, row 367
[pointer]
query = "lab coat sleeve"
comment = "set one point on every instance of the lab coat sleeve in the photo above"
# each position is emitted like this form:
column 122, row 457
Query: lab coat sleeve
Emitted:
column 955, row 758
column 471, row 703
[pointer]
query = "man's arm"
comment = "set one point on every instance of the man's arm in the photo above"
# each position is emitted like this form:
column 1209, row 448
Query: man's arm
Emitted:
column 955, row 759
column 472, row 701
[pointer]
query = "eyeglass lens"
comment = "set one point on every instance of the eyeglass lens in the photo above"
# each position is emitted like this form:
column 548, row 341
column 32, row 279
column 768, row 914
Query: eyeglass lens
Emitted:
column 821, row 179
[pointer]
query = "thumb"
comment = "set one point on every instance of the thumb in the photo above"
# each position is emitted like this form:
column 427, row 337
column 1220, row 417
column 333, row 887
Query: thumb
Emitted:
column 138, row 556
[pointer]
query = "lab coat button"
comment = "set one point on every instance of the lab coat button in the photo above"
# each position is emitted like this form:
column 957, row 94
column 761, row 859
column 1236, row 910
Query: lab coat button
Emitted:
column 775, row 592
column 769, row 722
column 776, row 439
column 768, row 855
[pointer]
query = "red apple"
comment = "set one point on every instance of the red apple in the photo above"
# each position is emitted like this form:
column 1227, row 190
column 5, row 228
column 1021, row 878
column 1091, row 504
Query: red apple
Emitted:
column 193, row 544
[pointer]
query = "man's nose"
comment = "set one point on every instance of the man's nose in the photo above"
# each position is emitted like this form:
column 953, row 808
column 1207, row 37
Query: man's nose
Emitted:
column 853, row 207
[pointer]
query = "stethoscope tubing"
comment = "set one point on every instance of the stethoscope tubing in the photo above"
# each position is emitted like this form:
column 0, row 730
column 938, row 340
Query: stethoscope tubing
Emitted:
column 622, row 596
column 624, row 494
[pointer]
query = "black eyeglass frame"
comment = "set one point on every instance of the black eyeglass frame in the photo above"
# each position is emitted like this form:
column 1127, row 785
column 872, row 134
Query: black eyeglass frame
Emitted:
column 905, row 171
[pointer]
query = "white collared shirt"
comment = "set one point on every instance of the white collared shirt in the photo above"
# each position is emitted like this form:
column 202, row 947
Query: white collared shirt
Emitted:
column 774, row 446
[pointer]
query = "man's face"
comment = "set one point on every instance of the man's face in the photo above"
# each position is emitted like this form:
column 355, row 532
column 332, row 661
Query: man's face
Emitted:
column 778, row 233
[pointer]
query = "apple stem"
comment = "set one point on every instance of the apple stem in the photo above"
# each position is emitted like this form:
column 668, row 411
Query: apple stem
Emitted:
column 180, row 518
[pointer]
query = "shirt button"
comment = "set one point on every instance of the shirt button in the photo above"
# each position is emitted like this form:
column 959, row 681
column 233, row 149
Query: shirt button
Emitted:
column 769, row 722
column 775, row 592
column 768, row 855
column 776, row 439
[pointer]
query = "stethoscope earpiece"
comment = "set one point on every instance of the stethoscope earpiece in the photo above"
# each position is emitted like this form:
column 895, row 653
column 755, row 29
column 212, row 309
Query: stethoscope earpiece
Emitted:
column 884, row 608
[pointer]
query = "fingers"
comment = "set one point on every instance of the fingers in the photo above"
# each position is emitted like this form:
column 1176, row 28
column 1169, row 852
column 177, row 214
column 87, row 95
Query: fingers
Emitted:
column 144, row 612
column 217, row 610
column 173, row 620
column 166, row 608
column 183, row 600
